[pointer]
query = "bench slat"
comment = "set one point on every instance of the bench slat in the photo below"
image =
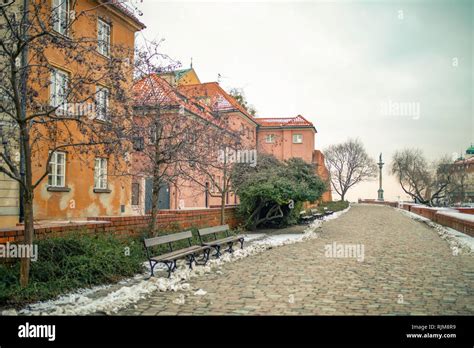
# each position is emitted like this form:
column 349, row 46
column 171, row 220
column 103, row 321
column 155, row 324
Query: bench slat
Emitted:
column 223, row 240
column 168, row 238
column 215, row 229
column 179, row 253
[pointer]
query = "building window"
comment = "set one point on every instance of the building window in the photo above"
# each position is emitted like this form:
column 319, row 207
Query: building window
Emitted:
column 153, row 136
column 135, row 193
column 57, row 170
column 60, row 16
column 100, row 173
column 102, row 102
column 270, row 138
column 215, row 184
column 103, row 38
column 297, row 138
column 138, row 143
column 58, row 91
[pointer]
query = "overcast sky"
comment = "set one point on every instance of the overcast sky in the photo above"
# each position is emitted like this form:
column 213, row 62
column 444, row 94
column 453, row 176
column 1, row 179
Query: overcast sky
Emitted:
column 394, row 74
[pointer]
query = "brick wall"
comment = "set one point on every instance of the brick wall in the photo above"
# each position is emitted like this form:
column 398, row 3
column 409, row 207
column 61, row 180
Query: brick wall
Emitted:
column 122, row 226
column 466, row 210
column 428, row 213
column 458, row 224
column 437, row 215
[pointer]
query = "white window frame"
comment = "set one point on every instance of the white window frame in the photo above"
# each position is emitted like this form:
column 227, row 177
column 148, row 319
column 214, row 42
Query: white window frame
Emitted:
column 103, row 37
column 100, row 173
column 60, row 15
column 58, row 89
column 270, row 138
column 297, row 138
column 102, row 102
column 54, row 175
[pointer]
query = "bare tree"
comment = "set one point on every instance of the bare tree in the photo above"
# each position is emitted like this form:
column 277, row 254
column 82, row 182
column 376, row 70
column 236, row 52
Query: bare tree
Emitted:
column 424, row 182
column 73, row 115
column 239, row 96
column 348, row 164
column 211, row 164
column 168, row 124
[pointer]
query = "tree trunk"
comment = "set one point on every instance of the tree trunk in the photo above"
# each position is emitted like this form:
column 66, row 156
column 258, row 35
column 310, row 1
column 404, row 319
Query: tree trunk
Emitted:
column 28, row 195
column 223, row 189
column 254, row 218
column 223, row 208
column 268, row 216
column 154, row 207
column 28, row 238
column 156, row 178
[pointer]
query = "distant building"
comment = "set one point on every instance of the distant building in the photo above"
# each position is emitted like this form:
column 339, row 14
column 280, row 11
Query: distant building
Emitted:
column 181, row 77
column 282, row 137
column 290, row 137
column 463, row 174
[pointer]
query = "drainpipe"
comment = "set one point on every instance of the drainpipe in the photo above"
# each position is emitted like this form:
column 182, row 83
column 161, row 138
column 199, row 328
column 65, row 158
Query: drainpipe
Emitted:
column 24, row 62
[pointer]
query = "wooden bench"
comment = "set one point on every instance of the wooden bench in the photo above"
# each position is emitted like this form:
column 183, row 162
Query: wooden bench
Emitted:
column 170, row 258
column 217, row 243
column 317, row 214
column 306, row 218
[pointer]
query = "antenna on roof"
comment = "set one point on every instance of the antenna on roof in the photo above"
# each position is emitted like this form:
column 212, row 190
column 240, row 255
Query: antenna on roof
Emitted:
column 220, row 77
column 191, row 62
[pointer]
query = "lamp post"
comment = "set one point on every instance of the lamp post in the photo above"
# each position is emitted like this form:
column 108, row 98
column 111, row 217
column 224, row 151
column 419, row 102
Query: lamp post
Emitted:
column 380, row 191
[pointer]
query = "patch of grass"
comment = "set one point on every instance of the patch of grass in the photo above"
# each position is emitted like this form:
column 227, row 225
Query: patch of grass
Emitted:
column 334, row 206
column 72, row 262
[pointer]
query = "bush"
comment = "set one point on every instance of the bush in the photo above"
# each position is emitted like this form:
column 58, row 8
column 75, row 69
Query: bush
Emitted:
column 68, row 263
column 269, row 190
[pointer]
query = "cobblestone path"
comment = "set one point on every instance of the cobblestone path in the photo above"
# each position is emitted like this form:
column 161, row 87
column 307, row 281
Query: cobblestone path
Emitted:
column 407, row 269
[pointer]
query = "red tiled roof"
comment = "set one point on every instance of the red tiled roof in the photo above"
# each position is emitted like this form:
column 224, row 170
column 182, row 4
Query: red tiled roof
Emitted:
column 152, row 90
column 297, row 121
column 219, row 99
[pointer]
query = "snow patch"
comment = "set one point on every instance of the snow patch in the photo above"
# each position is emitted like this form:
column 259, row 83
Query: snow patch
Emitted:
column 458, row 241
column 458, row 215
column 111, row 298
column 200, row 292
column 180, row 300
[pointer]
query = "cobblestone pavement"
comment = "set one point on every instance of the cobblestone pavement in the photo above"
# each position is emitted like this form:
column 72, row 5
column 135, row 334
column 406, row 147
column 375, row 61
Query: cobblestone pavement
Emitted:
column 407, row 270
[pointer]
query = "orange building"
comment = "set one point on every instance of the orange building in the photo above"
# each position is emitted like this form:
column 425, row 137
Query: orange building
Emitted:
column 83, row 184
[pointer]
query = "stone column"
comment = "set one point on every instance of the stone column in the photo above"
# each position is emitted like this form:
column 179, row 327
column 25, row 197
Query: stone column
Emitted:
column 380, row 191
